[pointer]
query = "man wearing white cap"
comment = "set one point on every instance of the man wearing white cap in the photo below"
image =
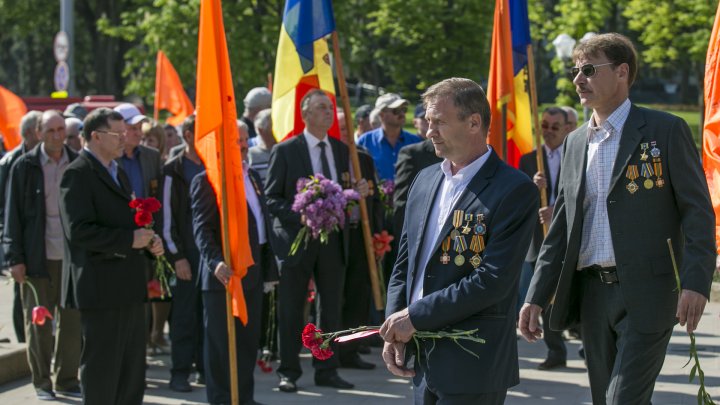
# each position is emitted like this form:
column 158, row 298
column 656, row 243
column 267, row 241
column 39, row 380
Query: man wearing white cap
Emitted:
column 385, row 142
column 256, row 100
column 143, row 167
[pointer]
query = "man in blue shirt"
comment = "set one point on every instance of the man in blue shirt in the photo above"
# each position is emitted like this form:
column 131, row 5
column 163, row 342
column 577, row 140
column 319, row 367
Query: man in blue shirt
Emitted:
column 385, row 142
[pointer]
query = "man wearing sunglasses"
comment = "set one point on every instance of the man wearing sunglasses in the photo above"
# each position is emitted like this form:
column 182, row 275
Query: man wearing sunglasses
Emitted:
column 385, row 142
column 631, row 179
column 555, row 128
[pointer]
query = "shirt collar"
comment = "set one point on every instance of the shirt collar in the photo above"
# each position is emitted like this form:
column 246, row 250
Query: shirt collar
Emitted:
column 615, row 121
column 551, row 152
column 468, row 172
column 112, row 166
column 312, row 141
column 44, row 158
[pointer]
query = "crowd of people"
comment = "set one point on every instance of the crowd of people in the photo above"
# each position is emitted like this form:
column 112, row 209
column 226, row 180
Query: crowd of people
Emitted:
column 469, row 252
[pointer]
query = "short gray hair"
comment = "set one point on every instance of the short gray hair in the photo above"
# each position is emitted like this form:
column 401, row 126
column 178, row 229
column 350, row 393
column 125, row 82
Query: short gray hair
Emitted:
column 30, row 123
column 243, row 125
column 571, row 111
column 263, row 120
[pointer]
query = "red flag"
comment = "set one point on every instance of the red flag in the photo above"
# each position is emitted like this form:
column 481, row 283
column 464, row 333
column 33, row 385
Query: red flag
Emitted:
column 711, row 128
column 169, row 92
column 12, row 109
column 216, row 140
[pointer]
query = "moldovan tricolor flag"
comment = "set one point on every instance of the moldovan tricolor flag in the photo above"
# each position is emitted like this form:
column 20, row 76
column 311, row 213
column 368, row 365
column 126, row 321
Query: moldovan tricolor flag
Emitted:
column 711, row 127
column 507, row 82
column 169, row 92
column 12, row 109
column 302, row 64
column 216, row 140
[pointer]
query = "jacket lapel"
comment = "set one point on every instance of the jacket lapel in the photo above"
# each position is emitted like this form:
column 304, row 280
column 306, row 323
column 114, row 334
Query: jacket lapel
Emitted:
column 104, row 175
column 302, row 151
column 629, row 140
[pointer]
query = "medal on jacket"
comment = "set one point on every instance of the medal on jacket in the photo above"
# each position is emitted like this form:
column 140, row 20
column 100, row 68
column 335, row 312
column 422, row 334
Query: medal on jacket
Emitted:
column 467, row 228
column 658, row 172
column 644, row 155
column 457, row 222
column 480, row 227
column 632, row 174
column 655, row 152
column 460, row 247
column 647, row 172
column 445, row 257
column 477, row 245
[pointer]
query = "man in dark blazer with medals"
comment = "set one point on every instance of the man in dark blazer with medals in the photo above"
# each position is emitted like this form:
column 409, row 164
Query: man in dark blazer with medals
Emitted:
column 311, row 152
column 467, row 228
column 106, row 255
column 554, row 130
column 215, row 274
column 631, row 179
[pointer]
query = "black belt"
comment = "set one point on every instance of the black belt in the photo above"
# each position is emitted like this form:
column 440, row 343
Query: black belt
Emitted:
column 607, row 275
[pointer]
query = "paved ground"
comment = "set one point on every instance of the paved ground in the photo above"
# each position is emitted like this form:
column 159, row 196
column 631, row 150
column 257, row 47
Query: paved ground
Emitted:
column 565, row 386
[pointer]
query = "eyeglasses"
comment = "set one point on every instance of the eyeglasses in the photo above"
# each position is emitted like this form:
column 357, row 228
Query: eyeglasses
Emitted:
column 547, row 126
column 588, row 70
column 115, row 134
column 398, row 111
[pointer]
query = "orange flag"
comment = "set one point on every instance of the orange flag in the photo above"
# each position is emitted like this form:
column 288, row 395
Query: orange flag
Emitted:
column 711, row 128
column 12, row 109
column 500, row 80
column 169, row 92
column 216, row 141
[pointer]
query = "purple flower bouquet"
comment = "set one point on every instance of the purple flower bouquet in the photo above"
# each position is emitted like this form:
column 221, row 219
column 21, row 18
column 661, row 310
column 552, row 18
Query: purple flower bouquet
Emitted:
column 323, row 204
column 387, row 189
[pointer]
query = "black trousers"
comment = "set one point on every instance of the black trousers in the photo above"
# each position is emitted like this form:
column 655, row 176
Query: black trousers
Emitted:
column 112, row 364
column 186, row 331
column 215, row 346
column 356, row 291
column 553, row 339
column 623, row 363
column 324, row 263
column 17, row 314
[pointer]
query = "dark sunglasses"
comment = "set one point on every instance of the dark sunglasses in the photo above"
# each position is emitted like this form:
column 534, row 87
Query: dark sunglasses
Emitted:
column 588, row 70
column 398, row 111
column 546, row 126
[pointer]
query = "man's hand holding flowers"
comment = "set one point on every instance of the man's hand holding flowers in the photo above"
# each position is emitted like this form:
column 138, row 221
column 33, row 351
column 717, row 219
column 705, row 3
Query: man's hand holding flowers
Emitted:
column 397, row 330
column 142, row 237
column 156, row 246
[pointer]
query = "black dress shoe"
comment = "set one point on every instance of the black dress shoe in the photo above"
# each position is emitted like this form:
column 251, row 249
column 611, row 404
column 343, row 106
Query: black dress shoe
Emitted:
column 356, row 362
column 178, row 384
column 333, row 381
column 550, row 364
column 287, row 385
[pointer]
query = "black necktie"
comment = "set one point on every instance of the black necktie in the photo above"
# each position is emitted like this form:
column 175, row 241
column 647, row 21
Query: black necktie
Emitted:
column 324, row 161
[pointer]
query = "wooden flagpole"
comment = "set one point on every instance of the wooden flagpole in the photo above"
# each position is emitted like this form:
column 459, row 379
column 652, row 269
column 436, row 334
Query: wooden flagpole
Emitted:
column 536, row 124
column 372, row 268
column 232, row 353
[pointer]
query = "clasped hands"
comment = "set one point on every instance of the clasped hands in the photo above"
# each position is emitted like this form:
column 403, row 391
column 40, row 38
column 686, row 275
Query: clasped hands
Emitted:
column 397, row 330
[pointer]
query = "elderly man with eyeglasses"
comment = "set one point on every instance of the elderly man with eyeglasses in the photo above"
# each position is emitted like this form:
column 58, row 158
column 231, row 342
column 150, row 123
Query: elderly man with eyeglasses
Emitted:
column 631, row 181
column 385, row 142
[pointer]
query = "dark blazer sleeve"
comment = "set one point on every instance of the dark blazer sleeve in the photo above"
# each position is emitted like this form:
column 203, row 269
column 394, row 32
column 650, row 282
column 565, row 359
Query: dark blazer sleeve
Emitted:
column 277, row 174
column 405, row 171
column 695, row 208
column 206, row 221
column 511, row 229
column 79, row 221
column 12, row 237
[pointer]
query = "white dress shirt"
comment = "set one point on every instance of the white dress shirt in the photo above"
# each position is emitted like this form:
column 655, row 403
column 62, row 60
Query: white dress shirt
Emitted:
column 554, row 157
column 52, row 173
column 254, row 203
column 603, row 142
column 452, row 187
column 314, row 149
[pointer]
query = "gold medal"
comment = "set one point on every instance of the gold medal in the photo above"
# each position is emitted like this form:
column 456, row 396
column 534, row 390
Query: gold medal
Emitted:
column 466, row 228
column 644, row 155
column 454, row 234
column 457, row 222
column 632, row 174
column 647, row 172
column 460, row 247
column 648, row 184
column 476, row 261
column 476, row 245
column 459, row 260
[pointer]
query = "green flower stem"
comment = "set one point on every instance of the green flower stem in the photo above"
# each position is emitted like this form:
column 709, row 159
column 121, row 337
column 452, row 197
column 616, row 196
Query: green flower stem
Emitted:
column 703, row 397
column 34, row 291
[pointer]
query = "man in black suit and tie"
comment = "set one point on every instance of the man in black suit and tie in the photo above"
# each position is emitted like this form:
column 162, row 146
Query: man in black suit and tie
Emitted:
column 555, row 128
column 468, row 226
column 215, row 274
column 630, row 180
column 104, row 268
column 311, row 152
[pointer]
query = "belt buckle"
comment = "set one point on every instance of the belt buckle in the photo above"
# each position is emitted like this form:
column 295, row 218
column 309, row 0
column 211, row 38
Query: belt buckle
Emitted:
column 604, row 273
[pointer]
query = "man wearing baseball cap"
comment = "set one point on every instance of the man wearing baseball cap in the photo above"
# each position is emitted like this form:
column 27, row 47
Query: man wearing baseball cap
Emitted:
column 385, row 142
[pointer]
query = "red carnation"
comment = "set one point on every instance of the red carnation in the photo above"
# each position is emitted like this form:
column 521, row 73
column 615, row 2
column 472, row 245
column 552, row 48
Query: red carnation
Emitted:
column 381, row 243
column 151, row 205
column 154, row 289
column 143, row 218
column 321, row 353
column 135, row 203
column 39, row 313
column 311, row 336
